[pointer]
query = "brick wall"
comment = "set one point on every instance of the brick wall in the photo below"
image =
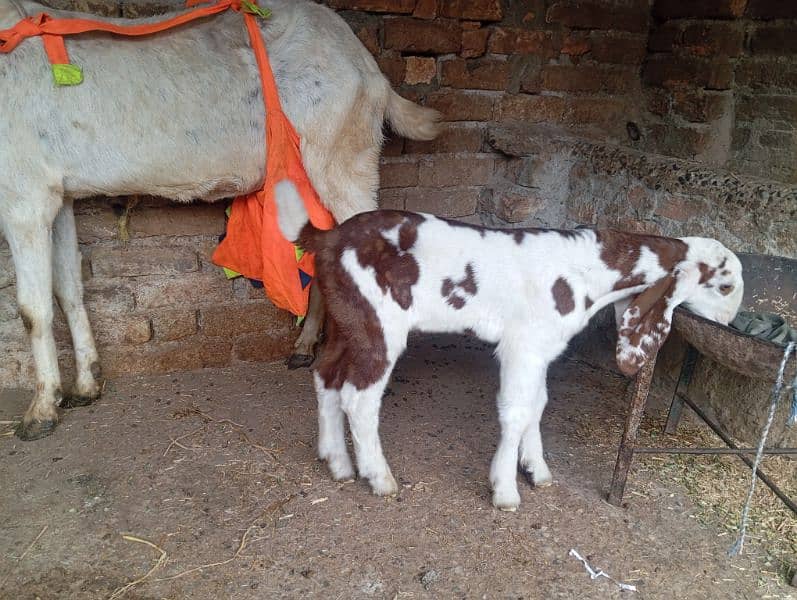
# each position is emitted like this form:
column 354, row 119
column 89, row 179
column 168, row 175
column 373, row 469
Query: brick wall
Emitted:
column 721, row 84
column 571, row 64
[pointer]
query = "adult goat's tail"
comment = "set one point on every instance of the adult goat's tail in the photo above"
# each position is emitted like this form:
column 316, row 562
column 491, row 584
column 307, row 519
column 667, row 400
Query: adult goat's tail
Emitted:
column 411, row 120
column 293, row 220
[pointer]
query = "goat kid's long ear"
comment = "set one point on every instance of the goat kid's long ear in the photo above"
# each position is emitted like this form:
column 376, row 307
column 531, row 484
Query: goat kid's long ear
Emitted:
column 645, row 323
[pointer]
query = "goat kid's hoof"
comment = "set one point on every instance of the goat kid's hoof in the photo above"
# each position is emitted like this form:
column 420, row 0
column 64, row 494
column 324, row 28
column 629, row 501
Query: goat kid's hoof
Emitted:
column 384, row 485
column 300, row 361
column 506, row 500
column 35, row 430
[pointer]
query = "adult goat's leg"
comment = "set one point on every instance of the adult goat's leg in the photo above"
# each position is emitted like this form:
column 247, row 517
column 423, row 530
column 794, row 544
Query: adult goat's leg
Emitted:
column 68, row 289
column 304, row 348
column 30, row 237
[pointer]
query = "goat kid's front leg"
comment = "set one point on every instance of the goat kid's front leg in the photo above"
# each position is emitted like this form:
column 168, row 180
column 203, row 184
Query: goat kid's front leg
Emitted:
column 362, row 409
column 31, row 245
column 304, row 348
column 68, row 288
column 519, row 386
column 331, row 432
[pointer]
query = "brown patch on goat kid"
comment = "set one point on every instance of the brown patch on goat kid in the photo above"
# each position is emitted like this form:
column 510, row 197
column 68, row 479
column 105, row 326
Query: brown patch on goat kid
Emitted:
column 644, row 326
column 355, row 350
column 563, row 296
column 620, row 251
column 588, row 302
column 467, row 284
column 706, row 273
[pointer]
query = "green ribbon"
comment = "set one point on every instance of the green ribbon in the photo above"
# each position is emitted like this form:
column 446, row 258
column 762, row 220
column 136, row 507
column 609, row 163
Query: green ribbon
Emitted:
column 67, row 74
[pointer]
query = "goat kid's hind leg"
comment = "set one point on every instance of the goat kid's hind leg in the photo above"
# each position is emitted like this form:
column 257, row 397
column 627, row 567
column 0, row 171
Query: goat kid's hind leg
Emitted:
column 68, row 289
column 531, row 458
column 362, row 409
column 304, row 348
column 29, row 234
column 331, row 432
column 519, row 383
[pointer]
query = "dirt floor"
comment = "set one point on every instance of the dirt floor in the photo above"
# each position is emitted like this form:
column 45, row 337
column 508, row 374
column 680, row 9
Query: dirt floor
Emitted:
column 205, row 485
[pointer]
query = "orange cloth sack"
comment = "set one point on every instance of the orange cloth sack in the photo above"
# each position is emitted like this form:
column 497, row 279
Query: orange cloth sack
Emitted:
column 254, row 245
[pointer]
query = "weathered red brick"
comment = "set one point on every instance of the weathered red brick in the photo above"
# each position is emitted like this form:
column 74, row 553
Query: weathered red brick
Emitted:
column 398, row 173
column 139, row 8
column 474, row 10
column 426, row 9
column 767, row 73
column 420, row 69
column 531, row 109
column 481, row 73
column 97, row 223
column 175, row 219
column 680, row 208
column 457, row 105
column 444, row 202
column 774, row 39
column 393, row 65
column 392, row 199
column 453, row 138
column 121, row 329
column 102, row 296
column 568, row 78
column 699, row 106
column 772, row 107
column 771, row 9
column 263, row 347
column 133, row 262
column 369, row 36
column 666, row 37
column 415, row 35
column 234, row 319
column 599, row 15
column 451, row 171
column 575, row 43
column 707, row 39
column 182, row 355
column 507, row 40
column 189, row 290
column 474, row 42
column 393, row 146
column 516, row 204
column 670, row 71
column 386, row 6
column 700, row 9
column 657, row 101
column 679, row 141
column 610, row 47
column 173, row 323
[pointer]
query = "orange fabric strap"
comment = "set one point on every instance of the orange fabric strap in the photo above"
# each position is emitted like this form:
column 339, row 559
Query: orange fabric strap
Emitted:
column 51, row 29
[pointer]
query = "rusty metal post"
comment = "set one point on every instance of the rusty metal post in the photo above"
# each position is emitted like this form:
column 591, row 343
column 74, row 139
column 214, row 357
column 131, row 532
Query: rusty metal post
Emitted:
column 677, row 405
column 638, row 395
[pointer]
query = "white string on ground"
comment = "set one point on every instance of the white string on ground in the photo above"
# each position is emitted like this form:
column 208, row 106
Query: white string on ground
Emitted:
column 593, row 574
column 738, row 547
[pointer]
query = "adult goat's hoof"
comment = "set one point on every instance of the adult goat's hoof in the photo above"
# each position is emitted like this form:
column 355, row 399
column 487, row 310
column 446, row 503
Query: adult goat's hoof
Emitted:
column 300, row 361
column 35, row 430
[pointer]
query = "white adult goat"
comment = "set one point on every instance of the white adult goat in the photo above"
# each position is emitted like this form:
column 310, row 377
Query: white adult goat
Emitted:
column 178, row 115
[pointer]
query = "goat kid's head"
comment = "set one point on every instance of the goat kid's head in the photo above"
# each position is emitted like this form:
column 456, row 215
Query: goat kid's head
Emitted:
column 708, row 282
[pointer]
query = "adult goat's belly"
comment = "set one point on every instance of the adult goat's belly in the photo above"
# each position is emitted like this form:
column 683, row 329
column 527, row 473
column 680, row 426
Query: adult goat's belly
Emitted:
column 178, row 114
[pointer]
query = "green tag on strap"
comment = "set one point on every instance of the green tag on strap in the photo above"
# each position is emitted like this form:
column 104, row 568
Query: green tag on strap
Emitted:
column 67, row 74
column 298, row 251
column 254, row 9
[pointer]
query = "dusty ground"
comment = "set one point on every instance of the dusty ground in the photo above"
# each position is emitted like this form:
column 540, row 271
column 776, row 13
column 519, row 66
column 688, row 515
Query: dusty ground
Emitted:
column 218, row 468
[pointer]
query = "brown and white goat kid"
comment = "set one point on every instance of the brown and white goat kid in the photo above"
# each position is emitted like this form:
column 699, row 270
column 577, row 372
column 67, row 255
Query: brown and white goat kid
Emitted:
column 386, row 273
